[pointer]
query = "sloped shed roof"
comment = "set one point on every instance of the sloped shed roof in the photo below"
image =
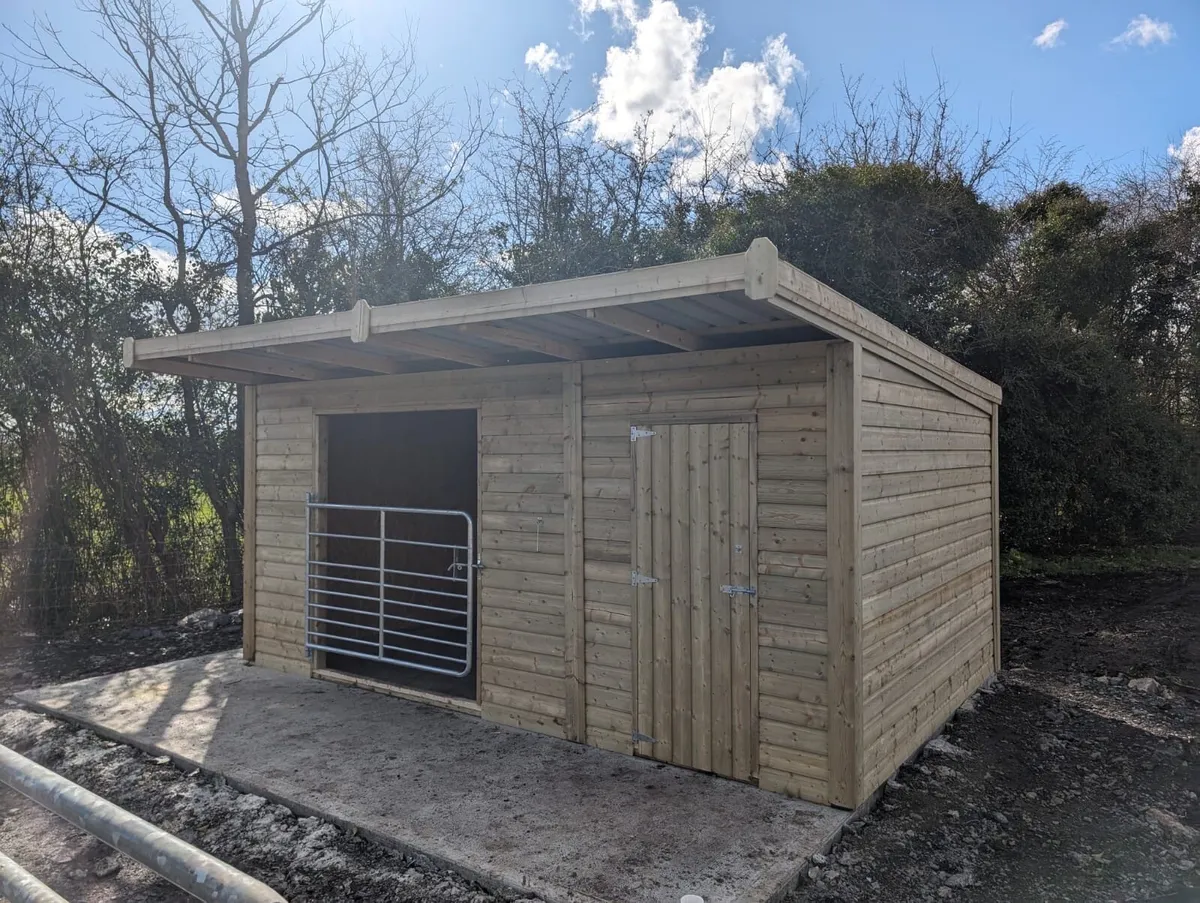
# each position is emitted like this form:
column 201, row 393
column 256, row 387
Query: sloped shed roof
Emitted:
column 720, row 302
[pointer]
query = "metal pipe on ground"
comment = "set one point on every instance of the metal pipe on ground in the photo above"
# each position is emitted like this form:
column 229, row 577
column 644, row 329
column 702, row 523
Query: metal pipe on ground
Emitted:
column 18, row 886
column 188, row 868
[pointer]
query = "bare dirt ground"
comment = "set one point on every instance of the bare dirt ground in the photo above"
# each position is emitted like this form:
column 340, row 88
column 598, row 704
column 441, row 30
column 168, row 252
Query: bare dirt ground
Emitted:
column 26, row 661
column 1065, row 783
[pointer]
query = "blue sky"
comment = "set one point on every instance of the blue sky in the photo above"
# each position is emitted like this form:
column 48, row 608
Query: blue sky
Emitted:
column 1111, row 101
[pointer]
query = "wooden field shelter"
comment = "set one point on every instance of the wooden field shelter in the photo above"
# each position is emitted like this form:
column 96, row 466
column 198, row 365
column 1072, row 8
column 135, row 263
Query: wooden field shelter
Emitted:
column 712, row 513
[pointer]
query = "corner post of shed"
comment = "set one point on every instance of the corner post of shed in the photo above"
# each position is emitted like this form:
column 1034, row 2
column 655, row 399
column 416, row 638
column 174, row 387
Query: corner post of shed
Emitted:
column 844, row 574
column 249, row 515
column 573, row 590
column 996, row 536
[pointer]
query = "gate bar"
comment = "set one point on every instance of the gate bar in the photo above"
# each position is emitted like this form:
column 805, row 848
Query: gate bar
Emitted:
column 319, row 627
column 188, row 868
column 18, row 886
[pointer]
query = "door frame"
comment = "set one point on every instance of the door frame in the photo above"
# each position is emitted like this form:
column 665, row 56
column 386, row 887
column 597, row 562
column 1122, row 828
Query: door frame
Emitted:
column 649, row 421
column 321, row 415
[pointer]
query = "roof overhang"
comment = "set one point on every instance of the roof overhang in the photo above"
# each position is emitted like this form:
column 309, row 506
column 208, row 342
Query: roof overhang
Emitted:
column 720, row 302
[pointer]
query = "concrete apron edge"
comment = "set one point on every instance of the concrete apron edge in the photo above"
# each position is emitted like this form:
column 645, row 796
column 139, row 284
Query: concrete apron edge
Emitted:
column 490, row 882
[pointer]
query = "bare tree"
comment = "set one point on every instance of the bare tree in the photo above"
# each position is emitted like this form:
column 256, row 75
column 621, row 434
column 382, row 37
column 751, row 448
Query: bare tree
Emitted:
column 207, row 142
column 883, row 127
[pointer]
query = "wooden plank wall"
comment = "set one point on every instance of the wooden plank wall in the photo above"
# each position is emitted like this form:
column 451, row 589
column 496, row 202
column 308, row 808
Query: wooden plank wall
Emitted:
column 521, row 522
column 522, row 527
column 523, row 530
column 284, row 476
column 927, row 569
column 783, row 389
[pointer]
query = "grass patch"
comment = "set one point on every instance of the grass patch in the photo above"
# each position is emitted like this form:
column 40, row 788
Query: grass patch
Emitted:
column 1094, row 562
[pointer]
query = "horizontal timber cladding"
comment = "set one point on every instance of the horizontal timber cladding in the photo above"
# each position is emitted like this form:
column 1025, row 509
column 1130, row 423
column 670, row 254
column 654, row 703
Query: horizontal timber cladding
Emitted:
column 520, row 522
column 781, row 389
column 901, row 519
column 927, row 559
column 284, row 447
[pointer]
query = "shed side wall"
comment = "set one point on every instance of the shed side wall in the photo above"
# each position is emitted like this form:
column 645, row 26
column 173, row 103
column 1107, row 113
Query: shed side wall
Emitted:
column 927, row 568
column 782, row 389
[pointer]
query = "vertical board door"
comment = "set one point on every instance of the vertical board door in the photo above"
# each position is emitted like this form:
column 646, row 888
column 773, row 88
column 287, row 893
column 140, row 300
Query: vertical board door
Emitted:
column 695, row 626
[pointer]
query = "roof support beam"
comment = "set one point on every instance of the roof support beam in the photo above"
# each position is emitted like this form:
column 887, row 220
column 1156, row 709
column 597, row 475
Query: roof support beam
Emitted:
column 338, row 356
column 526, row 339
column 256, row 362
column 631, row 321
column 435, row 347
column 204, row 371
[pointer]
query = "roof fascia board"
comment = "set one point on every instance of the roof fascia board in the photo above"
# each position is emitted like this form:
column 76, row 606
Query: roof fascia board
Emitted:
column 938, row 378
column 767, row 278
column 674, row 280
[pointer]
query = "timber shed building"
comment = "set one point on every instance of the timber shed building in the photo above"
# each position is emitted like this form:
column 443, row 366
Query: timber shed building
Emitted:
column 712, row 513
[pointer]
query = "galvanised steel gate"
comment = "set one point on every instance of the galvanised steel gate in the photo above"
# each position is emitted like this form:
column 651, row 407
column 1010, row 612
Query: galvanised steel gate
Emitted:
column 393, row 585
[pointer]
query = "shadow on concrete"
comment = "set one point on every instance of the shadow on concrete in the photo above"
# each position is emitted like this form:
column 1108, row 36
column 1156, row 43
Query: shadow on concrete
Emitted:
column 509, row 808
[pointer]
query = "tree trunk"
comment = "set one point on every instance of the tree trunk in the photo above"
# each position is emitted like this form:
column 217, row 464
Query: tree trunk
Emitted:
column 227, row 504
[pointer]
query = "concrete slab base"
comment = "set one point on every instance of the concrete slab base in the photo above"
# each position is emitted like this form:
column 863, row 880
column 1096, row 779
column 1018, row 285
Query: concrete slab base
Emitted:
column 511, row 809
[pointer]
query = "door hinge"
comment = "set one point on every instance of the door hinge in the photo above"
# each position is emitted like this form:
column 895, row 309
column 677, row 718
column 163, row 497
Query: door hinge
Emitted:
column 636, row 579
column 636, row 433
column 639, row 737
column 729, row 590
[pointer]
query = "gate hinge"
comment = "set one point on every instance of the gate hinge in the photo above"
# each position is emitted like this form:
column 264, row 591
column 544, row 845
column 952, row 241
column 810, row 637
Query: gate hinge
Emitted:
column 636, row 433
column 738, row 590
column 636, row 579
column 639, row 737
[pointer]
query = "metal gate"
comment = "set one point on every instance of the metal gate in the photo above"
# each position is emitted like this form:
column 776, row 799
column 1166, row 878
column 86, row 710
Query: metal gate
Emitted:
column 394, row 585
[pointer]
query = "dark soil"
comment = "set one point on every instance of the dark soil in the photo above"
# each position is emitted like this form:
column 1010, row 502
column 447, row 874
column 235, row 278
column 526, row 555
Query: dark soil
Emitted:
column 29, row 661
column 1063, row 783
column 1147, row 625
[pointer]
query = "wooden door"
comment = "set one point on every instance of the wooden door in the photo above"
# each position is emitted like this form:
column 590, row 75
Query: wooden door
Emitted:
column 695, row 622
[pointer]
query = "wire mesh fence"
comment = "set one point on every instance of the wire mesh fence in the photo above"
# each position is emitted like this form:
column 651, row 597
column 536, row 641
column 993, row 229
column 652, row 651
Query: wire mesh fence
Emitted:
column 50, row 590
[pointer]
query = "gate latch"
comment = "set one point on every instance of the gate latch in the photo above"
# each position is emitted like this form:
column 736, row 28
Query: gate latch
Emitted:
column 636, row 579
column 738, row 590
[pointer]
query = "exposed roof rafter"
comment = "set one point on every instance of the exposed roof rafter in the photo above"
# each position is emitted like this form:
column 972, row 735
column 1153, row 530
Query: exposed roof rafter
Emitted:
column 339, row 356
column 265, row 362
column 175, row 367
column 425, row 345
column 526, row 339
column 648, row 328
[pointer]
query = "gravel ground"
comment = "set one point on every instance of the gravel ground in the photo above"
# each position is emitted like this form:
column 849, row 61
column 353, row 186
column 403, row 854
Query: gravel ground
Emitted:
column 1066, row 782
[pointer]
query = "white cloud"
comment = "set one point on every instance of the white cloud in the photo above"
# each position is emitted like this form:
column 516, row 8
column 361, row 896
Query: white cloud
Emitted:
column 624, row 13
column 1145, row 31
column 543, row 58
column 655, row 86
column 1188, row 150
column 1051, row 34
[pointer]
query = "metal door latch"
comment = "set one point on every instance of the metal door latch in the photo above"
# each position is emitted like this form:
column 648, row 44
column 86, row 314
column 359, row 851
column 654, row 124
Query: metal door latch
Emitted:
column 729, row 590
